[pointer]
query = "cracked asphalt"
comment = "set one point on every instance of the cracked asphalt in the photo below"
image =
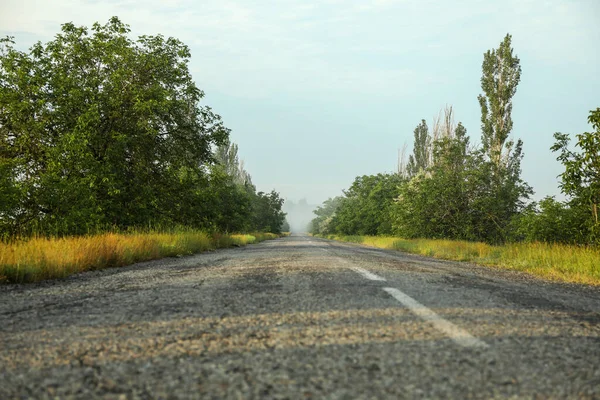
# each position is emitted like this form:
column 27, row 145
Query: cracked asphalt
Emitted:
column 299, row 317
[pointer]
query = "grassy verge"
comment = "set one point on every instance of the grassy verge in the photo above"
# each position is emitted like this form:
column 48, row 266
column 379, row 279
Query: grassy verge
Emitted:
column 557, row 262
column 40, row 258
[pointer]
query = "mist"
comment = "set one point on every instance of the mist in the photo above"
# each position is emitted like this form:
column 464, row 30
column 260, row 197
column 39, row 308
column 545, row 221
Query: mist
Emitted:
column 299, row 214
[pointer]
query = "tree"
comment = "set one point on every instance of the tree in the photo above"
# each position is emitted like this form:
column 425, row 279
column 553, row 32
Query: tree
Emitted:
column 581, row 178
column 551, row 221
column 99, row 130
column 500, row 191
column 222, row 204
column 501, row 75
column 495, row 196
column 460, row 194
column 227, row 156
column 285, row 227
column 435, row 202
column 365, row 209
column 268, row 216
column 322, row 223
column 419, row 160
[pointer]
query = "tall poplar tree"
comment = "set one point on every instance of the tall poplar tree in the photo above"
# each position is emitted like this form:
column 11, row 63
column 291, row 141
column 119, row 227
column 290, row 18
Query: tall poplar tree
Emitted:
column 498, row 191
column 419, row 160
column 501, row 75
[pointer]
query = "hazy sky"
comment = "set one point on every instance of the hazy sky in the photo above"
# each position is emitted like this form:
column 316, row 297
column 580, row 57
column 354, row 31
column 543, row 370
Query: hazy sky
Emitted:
column 319, row 92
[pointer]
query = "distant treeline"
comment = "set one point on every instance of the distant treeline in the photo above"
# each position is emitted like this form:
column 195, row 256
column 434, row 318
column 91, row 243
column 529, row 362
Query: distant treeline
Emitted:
column 451, row 189
column 100, row 132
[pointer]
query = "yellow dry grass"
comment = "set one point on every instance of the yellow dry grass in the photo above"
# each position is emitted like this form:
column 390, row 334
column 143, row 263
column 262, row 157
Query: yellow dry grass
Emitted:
column 42, row 258
column 566, row 263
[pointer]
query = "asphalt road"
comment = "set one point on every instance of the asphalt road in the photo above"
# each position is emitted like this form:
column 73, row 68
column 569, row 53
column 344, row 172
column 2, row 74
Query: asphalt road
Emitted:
column 299, row 317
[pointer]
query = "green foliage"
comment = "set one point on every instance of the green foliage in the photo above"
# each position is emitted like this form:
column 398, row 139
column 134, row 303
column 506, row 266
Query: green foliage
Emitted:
column 321, row 224
column 551, row 221
column 581, row 179
column 456, row 191
column 227, row 156
column 497, row 196
column 460, row 195
column 453, row 191
column 419, row 160
column 366, row 206
column 501, row 75
column 100, row 131
column 434, row 203
column 233, row 201
column 499, row 191
column 268, row 216
column 222, row 204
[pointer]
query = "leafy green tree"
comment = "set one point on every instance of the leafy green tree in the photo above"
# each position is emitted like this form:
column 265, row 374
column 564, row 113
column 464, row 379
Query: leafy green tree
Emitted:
column 268, row 216
column 322, row 223
column 237, row 206
column 460, row 195
column 501, row 75
column 412, row 209
column 366, row 207
column 100, row 130
column 435, row 202
column 498, row 190
column 223, row 205
column 496, row 196
column 581, row 178
column 227, row 156
column 551, row 221
column 10, row 195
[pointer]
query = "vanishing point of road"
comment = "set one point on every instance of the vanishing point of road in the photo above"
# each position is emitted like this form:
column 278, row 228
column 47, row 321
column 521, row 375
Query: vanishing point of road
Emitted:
column 299, row 317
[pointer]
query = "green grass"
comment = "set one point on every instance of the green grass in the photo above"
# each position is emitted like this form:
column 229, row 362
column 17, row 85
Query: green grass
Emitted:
column 566, row 263
column 37, row 259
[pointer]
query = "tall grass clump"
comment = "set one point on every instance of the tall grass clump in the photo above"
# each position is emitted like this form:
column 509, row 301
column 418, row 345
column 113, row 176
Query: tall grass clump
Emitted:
column 36, row 259
column 560, row 262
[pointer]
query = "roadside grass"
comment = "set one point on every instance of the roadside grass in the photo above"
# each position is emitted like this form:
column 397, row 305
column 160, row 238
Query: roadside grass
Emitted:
column 565, row 263
column 38, row 259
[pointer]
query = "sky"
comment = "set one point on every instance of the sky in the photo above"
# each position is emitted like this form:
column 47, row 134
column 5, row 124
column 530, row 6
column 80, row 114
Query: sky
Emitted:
column 317, row 93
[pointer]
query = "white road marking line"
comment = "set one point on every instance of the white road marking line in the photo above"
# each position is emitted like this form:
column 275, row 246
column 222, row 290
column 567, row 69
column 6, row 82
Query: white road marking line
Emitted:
column 367, row 274
column 459, row 335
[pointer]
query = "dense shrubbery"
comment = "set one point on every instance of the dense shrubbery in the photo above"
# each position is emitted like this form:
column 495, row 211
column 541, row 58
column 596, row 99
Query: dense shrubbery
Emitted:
column 364, row 209
column 98, row 132
column 551, row 221
column 449, row 189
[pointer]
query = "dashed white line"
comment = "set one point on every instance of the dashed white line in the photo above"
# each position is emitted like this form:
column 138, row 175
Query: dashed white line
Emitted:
column 459, row 335
column 367, row 274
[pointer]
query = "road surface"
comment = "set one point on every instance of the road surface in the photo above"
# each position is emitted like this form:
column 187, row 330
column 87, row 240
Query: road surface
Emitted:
column 299, row 317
